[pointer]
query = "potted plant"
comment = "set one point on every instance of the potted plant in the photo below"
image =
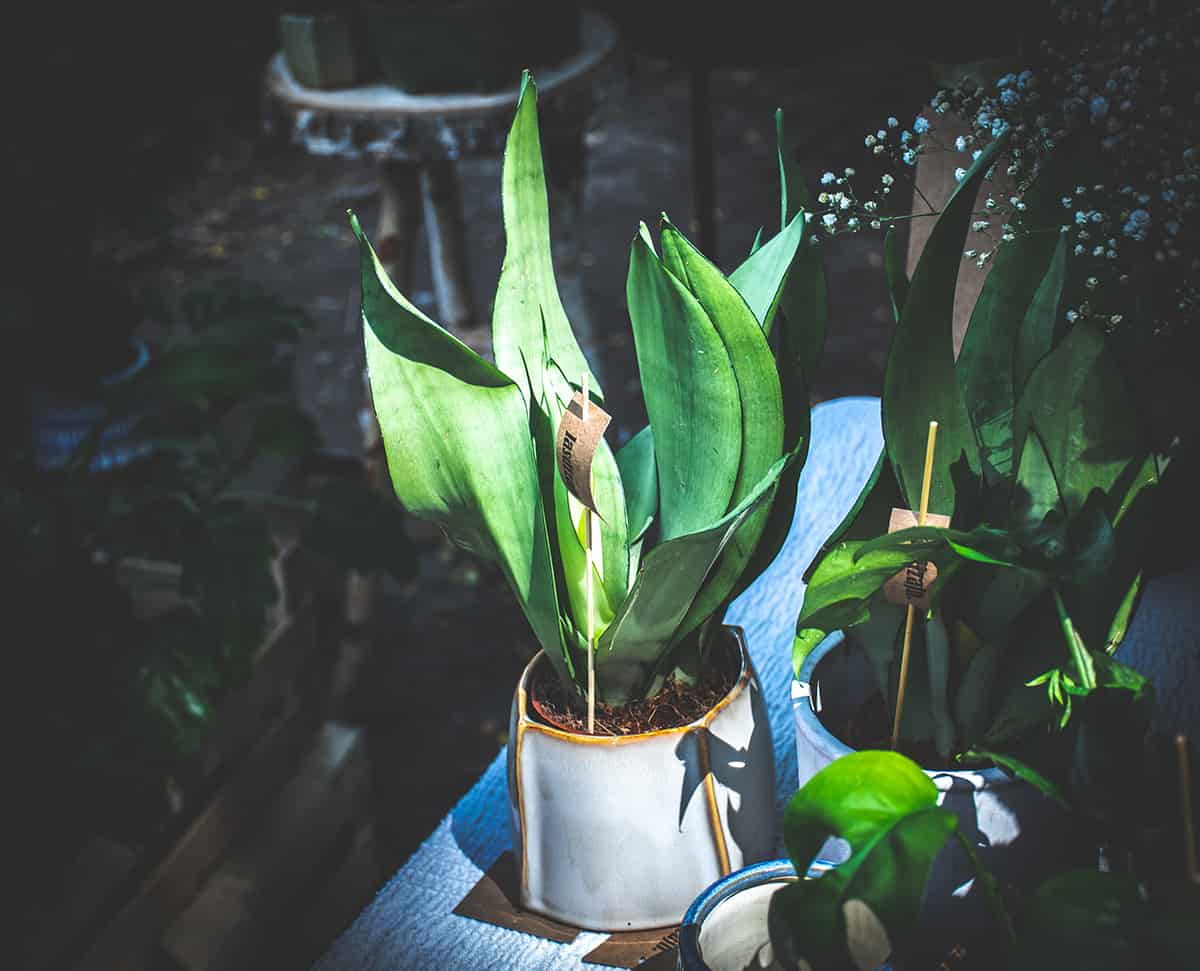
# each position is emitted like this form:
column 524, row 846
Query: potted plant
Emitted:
column 855, row 913
column 617, row 829
column 1047, row 476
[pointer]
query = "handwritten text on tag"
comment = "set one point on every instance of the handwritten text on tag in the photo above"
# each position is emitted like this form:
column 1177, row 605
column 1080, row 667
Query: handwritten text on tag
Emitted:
column 578, row 439
column 911, row 585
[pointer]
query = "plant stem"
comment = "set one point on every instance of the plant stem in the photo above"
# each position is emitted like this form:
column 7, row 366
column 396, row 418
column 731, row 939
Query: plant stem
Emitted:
column 1085, row 670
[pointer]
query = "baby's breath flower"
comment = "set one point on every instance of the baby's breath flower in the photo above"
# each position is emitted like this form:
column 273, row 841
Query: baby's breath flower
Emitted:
column 828, row 178
column 920, row 125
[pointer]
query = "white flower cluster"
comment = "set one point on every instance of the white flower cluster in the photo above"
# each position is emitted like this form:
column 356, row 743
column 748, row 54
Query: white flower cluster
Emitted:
column 1115, row 94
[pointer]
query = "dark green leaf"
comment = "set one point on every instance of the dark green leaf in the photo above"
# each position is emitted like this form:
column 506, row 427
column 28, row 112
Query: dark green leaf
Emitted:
column 920, row 384
column 691, row 396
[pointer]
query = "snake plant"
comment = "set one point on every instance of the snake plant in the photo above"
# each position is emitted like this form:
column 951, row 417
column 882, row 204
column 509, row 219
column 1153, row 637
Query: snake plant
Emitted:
column 1046, row 472
column 712, row 477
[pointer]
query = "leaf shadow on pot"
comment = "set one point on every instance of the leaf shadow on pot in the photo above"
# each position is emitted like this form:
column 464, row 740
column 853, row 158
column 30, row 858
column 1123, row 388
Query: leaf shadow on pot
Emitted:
column 730, row 770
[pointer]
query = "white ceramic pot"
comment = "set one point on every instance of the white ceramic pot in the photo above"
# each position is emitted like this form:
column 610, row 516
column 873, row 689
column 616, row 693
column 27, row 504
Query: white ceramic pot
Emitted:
column 726, row 928
column 1019, row 834
column 622, row 833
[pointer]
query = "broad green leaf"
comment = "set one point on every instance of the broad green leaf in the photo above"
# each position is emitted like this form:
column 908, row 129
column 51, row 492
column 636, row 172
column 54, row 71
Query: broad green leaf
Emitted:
column 886, row 808
column 839, row 592
column 894, row 267
column 1077, row 401
column 668, row 582
column 527, row 297
column 920, row 384
column 986, row 363
column 761, row 278
column 1036, row 493
column 691, row 396
column 1037, row 330
column 974, row 700
column 639, row 478
column 761, row 407
column 456, row 434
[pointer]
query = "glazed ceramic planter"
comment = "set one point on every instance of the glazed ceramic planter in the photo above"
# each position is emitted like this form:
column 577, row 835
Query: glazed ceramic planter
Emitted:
column 725, row 929
column 621, row 833
column 1019, row 833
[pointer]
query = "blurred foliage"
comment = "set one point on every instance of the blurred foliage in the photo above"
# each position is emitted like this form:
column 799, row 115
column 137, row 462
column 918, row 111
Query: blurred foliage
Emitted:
column 114, row 701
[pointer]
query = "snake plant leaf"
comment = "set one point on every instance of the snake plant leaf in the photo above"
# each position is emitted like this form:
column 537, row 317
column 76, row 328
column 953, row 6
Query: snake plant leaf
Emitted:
column 639, row 477
column 527, row 295
column 761, row 405
column 885, row 807
column 920, row 384
column 1036, row 494
column 456, row 435
column 1022, row 270
column 1077, row 401
column 897, row 275
column 691, row 396
column 793, row 193
column 669, row 580
column 1037, row 331
column 762, row 277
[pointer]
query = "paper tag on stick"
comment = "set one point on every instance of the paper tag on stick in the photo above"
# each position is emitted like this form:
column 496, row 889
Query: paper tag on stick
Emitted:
column 578, row 439
column 911, row 585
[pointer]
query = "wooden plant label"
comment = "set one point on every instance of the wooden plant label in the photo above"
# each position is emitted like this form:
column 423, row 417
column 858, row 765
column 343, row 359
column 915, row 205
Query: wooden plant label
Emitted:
column 911, row 585
column 578, row 439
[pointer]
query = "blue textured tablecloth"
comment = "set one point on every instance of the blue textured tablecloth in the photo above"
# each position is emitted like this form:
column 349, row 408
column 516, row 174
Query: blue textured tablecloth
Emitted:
column 410, row 924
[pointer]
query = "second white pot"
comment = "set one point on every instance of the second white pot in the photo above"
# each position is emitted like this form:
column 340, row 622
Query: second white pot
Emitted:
column 1019, row 834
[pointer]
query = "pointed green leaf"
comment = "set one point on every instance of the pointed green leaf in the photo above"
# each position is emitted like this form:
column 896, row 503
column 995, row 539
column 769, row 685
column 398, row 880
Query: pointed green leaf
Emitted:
column 760, row 395
column 1037, row 329
column 937, row 654
column 987, row 362
column 691, row 396
column 761, row 278
column 670, row 578
column 639, row 478
column 456, row 434
column 920, row 384
column 527, row 294
column 1078, row 402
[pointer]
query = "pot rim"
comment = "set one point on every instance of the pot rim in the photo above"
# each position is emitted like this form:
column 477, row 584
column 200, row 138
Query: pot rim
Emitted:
column 988, row 777
column 525, row 721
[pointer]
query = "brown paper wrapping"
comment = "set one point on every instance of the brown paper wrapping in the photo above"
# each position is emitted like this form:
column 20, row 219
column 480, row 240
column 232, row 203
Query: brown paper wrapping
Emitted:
column 576, row 445
column 911, row 586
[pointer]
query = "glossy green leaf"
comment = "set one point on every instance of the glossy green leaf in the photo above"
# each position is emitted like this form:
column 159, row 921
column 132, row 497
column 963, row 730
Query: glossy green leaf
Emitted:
column 691, row 396
column 761, row 407
column 920, row 384
column 1023, row 770
column 1036, row 334
column 761, row 278
column 468, row 426
column 886, row 808
column 639, row 477
column 662, row 593
column 986, row 364
column 527, row 298
column 1077, row 401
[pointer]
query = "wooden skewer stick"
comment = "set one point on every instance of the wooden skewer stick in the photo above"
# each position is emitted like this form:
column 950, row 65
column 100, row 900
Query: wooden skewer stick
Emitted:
column 1185, row 801
column 926, row 478
column 590, row 595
